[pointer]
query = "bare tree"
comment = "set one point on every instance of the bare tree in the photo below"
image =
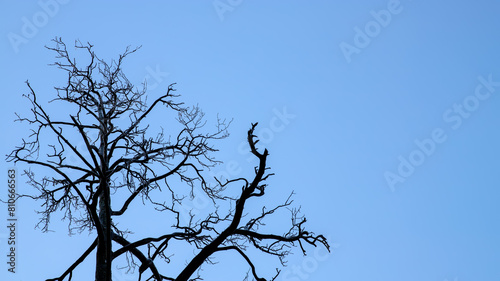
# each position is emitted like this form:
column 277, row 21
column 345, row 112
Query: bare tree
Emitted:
column 110, row 116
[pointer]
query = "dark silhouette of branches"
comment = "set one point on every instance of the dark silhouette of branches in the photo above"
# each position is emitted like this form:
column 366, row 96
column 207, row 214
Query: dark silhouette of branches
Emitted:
column 111, row 117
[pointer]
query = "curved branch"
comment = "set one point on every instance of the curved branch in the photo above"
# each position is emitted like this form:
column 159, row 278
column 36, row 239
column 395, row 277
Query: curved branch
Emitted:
column 146, row 263
column 146, row 184
column 250, row 263
column 76, row 263
column 58, row 133
column 143, row 115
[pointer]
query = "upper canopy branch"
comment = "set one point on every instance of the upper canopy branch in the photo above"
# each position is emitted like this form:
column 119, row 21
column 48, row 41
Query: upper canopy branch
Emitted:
column 233, row 236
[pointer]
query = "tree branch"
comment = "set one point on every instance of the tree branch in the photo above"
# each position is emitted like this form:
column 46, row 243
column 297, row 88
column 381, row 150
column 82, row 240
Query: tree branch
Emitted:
column 76, row 263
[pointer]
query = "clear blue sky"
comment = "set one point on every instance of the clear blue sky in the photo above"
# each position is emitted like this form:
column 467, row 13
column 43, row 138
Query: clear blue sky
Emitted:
column 391, row 137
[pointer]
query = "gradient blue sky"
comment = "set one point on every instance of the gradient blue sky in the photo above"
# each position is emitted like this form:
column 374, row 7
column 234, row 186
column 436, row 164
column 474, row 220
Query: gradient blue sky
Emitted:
column 406, row 99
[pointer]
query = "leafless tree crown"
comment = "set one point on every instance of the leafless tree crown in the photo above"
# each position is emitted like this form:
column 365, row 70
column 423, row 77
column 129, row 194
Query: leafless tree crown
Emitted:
column 102, row 109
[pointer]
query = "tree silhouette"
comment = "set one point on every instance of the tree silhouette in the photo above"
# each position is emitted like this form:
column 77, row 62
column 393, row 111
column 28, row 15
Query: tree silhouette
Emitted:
column 119, row 156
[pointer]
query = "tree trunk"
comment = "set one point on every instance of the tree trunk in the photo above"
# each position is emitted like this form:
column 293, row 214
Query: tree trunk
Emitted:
column 103, row 255
column 104, row 251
